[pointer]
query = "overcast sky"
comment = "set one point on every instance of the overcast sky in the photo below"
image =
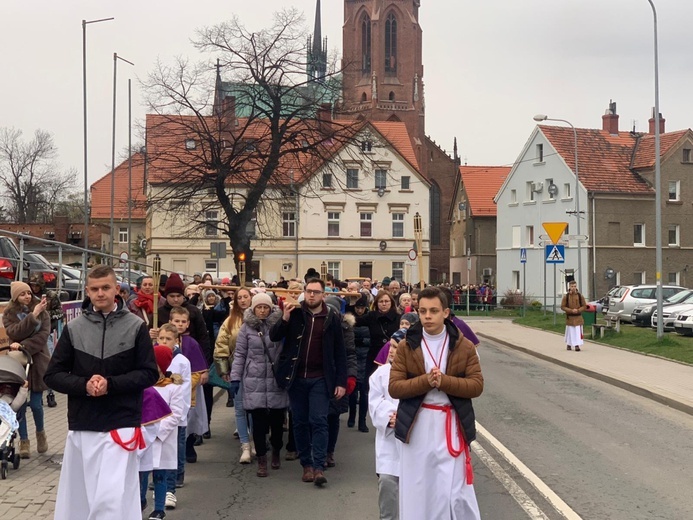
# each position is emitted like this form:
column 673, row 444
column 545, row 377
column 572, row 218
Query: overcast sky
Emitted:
column 490, row 65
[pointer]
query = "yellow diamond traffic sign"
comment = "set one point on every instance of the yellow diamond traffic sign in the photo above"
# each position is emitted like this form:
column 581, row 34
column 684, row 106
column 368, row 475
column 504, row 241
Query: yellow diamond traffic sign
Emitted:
column 555, row 230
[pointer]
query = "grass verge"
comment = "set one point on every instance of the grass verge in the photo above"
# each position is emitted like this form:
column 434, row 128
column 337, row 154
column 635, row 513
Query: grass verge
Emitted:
column 639, row 339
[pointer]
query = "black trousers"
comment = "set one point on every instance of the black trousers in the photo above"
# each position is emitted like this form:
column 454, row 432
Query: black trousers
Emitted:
column 207, row 390
column 268, row 422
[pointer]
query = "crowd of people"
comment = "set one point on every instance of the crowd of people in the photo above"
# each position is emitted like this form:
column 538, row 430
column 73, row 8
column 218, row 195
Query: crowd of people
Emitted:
column 293, row 356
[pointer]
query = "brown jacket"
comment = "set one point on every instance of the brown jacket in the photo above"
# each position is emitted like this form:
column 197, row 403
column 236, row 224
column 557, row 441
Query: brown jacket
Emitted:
column 571, row 302
column 461, row 382
column 34, row 341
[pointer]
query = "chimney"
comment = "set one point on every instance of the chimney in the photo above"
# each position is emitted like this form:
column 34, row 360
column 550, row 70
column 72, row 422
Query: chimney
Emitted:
column 324, row 117
column 652, row 123
column 228, row 110
column 610, row 119
column 60, row 226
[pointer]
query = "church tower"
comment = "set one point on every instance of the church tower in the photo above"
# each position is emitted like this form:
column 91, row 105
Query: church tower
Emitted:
column 382, row 64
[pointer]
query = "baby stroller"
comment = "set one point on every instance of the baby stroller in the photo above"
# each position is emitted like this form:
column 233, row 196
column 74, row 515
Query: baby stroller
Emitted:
column 13, row 374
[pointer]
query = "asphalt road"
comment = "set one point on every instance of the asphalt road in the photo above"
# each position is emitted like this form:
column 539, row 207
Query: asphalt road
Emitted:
column 607, row 453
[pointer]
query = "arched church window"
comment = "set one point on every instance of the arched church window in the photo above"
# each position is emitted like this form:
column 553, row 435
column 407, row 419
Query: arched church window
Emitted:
column 391, row 96
column 364, row 98
column 366, row 44
column 435, row 214
column 391, row 44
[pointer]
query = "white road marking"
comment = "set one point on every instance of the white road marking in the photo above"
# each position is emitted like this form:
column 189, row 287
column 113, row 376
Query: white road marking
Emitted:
column 526, row 503
column 556, row 501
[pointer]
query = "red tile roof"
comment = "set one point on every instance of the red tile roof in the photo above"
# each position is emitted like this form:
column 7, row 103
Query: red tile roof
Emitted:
column 169, row 160
column 604, row 159
column 481, row 183
column 101, row 192
column 644, row 153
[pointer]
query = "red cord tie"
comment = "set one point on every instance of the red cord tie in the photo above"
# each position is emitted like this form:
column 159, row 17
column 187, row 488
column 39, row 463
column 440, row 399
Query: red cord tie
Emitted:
column 137, row 441
column 464, row 448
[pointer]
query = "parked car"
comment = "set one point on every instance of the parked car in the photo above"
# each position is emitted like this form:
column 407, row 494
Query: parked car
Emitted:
column 602, row 304
column 683, row 324
column 623, row 301
column 643, row 315
column 669, row 314
column 33, row 263
column 122, row 275
column 72, row 281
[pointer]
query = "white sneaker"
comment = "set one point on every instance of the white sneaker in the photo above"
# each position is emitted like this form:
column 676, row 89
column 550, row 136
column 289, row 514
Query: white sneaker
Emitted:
column 246, row 457
column 170, row 501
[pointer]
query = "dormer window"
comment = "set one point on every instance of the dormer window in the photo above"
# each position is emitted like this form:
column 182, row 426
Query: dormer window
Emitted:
column 190, row 144
column 366, row 146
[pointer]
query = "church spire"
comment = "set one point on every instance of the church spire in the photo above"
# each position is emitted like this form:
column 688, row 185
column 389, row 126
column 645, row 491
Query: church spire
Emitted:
column 317, row 50
column 317, row 31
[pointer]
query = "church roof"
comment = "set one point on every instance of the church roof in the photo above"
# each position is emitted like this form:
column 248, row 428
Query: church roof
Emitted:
column 481, row 183
column 101, row 192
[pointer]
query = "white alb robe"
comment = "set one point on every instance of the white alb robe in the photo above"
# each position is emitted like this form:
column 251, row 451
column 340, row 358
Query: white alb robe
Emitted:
column 432, row 482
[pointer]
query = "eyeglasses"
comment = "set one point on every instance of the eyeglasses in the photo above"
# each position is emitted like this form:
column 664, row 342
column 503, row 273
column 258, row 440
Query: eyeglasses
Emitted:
column 313, row 293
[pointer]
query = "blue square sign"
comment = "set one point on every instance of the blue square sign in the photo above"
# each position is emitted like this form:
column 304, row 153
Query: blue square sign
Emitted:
column 555, row 254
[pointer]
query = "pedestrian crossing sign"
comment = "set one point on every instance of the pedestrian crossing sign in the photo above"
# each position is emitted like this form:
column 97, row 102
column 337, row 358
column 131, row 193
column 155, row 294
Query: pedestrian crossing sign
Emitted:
column 555, row 254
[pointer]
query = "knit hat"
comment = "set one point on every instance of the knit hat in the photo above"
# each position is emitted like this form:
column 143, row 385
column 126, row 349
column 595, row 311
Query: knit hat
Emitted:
column 174, row 285
column 386, row 281
column 411, row 317
column 261, row 299
column 399, row 335
column 335, row 302
column 362, row 301
column 164, row 356
column 17, row 288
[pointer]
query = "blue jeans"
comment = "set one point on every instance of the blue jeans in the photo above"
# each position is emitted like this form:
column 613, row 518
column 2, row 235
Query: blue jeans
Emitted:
column 36, row 405
column 241, row 416
column 310, row 404
column 159, row 488
column 173, row 474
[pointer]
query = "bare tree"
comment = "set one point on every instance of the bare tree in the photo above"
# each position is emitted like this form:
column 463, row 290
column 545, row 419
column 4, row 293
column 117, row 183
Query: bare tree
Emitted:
column 29, row 175
column 259, row 135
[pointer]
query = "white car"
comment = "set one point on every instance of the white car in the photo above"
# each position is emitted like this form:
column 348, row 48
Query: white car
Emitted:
column 683, row 324
column 623, row 302
column 669, row 314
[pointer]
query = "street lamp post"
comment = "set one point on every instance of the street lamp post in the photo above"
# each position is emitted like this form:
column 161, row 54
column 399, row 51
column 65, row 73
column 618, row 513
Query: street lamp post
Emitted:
column 84, row 95
column 578, row 275
column 115, row 70
column 658, row 186
column 418, row 230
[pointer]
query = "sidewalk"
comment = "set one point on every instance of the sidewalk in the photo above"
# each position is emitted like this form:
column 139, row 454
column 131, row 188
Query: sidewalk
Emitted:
column 666, row 382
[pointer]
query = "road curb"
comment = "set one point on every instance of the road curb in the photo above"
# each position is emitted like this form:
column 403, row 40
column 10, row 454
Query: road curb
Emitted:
column 643, row 392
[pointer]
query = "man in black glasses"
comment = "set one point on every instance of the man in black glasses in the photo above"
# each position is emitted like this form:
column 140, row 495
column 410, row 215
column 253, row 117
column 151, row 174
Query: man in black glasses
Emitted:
column 312, row 368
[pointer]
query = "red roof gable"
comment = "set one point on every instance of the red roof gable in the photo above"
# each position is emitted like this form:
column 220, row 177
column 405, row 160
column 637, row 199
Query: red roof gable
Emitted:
column 481, row 183
column 604, row 159
column 101, row 192
column 644, row 153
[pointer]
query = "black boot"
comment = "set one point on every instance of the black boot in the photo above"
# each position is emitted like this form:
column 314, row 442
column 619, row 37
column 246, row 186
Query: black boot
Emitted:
column 190, row 453
column 352, row 410
column 362, row 426
column 50, row 399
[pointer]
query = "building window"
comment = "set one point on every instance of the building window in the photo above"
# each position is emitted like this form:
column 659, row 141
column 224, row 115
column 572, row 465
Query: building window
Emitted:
column 123, row 235
column 398, row 225
column 405, row 182
column 366, row 44
column 327, row 180
column 391, row 43
column 530, row 192
column 352, row 178
column 517, row 236
column 380, row 179
column 398, row 270
column 210, row 266
column 516, row 280
column 334, row 269
column 366, row 146
column 540, row 153
column 675, row 191
column 211, row 223
column 674, row 235
column 366, row 224
column 674, row 278
column 566, row 191
column 530, row 236
column 333, row 224
column 513, row 196
column 435, row 214
column 639, row 234
column 686, row 155
column 288, row 224
column 639, row 278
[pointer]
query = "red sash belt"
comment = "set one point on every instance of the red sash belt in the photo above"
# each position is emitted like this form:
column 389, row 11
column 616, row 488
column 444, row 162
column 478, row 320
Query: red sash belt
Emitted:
column 464, row 448
column 137, row 441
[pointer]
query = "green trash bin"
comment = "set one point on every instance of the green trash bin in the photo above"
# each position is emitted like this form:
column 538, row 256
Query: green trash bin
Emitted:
column 590, row 316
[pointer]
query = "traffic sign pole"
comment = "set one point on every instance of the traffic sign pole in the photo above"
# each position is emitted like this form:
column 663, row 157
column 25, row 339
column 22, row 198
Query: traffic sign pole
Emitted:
column 524, row 289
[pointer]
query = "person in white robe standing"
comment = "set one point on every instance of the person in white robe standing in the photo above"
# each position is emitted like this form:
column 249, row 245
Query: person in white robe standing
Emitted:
column 573, row 304
column 435, row 375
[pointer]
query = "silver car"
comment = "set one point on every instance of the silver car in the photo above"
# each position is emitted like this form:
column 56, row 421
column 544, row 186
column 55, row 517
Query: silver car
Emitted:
column 623, row 301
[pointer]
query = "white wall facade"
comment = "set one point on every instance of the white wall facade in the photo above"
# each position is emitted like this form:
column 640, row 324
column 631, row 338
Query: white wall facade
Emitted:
column 523, row 204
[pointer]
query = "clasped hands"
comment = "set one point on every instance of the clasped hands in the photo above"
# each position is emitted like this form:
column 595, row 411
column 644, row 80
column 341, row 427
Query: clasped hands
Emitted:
column 435, row 377
column 97, row 386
